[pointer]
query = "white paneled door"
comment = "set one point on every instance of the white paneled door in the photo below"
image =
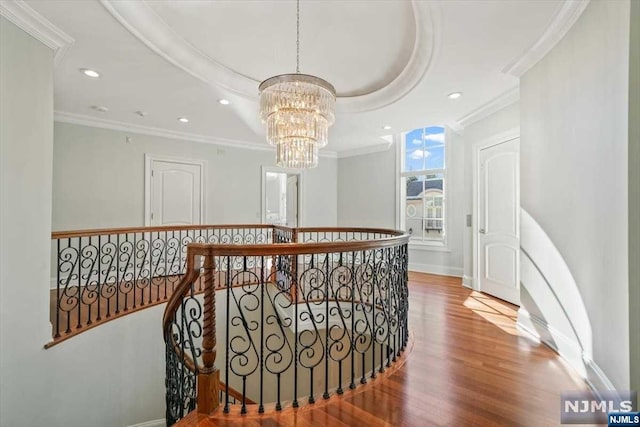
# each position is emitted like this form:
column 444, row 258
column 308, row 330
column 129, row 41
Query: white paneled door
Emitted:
column 498, row 220
column 175, row 192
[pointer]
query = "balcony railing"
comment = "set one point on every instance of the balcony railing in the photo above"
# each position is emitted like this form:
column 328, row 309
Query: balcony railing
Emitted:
column 99, row 275
column 312, row 314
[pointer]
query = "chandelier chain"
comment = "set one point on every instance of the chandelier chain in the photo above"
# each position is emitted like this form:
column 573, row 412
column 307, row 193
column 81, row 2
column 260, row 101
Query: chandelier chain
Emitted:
column 298, row 110
column 297, row 36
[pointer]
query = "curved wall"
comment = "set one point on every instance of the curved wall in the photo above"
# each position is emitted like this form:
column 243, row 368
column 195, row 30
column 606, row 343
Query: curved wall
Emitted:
column 574, row 185
column 111, row 376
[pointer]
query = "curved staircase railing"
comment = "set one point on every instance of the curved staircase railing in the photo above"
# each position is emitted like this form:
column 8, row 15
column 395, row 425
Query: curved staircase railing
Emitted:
column 100, row 275
column 308, row 313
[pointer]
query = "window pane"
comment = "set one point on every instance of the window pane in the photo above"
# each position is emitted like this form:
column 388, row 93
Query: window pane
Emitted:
column 414, row 151
column 415, row 186
column 434, row 157
column 424, row 149
column 414, row 218
column 434, row 137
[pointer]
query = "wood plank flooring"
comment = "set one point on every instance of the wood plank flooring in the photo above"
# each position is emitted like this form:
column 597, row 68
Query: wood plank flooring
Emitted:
column 467, row 366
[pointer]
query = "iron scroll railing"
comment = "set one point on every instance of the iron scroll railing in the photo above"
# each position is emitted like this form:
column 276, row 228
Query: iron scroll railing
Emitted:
column 309, row 315
column 99, row 275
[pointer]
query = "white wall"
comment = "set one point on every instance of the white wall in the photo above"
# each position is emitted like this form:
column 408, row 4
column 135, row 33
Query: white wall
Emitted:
column 82, row 382
column 98, row 179
column 574, row 189
column 367, row 190
column 634, row 196
column 26, row 117
column 489, row 128
column 367, row 186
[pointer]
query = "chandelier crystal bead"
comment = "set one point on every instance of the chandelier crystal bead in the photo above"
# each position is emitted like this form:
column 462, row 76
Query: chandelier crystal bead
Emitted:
column 298, row 110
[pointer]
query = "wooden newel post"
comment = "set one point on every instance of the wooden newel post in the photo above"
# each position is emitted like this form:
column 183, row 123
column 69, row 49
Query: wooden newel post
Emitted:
column 209, row 376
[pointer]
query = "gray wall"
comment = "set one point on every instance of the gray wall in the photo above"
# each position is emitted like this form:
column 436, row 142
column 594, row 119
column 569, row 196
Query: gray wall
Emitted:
column 574, row 145
column 26, row 117
column 82, row 382
column 367, row 186
column 367, row 190
column 634, row 196
column 98, row 179
column 497, row 123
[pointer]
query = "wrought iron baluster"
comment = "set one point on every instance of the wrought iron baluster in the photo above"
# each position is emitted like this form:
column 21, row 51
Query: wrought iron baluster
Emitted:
column 294, row 286
column 326, row 332
column 119, row 277
column 227, row 344
column 151, row 269
column 79, row 288
column 58, row 268
column 262, row 284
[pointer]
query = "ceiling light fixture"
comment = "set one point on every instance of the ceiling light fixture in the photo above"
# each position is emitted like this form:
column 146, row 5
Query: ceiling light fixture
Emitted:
column 386, row 127
column 183, row 120
column 455, row 95
column 100, row 108
column 224, row 101
column 90, row 73
column 298, row 110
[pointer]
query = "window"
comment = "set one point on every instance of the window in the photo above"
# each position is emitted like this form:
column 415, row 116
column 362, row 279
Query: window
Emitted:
column 423, row 177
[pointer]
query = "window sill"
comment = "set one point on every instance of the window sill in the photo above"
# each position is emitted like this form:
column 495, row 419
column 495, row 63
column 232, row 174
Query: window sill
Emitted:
column 429, row 246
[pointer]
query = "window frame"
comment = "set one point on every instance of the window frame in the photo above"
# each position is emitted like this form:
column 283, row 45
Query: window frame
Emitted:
column 421, row 244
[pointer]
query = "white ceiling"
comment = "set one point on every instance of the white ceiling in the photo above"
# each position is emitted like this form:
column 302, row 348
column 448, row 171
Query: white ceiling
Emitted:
column 392, row 62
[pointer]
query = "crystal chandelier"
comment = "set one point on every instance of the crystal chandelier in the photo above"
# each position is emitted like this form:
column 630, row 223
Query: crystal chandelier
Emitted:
column 298, row 110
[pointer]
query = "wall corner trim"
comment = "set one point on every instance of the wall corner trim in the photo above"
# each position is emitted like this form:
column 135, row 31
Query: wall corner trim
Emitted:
column 96, row 122
column 467, row 282
column 29, row 20
column 369, row 149
column 496, row 104
column 566, row 348
column 153, row 423
column 441, row 270
column 566, row 15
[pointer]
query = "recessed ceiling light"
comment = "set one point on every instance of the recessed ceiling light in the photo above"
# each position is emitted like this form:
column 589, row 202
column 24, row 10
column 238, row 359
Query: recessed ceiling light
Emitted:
column 100, row 108
column 224, row 101
column 386, row 127
column 90, row 73
column 455, row 95
column 183, row 120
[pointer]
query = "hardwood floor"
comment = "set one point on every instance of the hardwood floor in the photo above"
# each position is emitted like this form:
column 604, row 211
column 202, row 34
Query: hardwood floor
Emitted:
column 467, row 365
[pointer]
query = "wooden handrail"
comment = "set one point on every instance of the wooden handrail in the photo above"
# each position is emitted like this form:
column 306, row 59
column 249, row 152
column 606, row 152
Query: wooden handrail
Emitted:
column 349, row 230
column 126, row 230
column 215, row 249
column 209, row 384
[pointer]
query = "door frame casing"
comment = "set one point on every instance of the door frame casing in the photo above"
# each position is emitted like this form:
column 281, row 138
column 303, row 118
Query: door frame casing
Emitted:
column 476, row 147
column 263, row 179
column 149, row 159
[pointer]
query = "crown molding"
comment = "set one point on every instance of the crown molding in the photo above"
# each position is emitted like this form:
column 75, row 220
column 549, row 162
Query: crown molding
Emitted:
column 455, row 127
column 83, row 120
column 566, row 15
column 145, row 24
column 369, row 149
column 25, row 17
column 504, row 100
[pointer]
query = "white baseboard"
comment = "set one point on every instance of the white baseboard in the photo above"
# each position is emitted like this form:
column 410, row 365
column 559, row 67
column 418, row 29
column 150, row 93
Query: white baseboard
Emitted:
column 467, row 281
column 442, row 270
column 566, row 348
column 153, row 423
